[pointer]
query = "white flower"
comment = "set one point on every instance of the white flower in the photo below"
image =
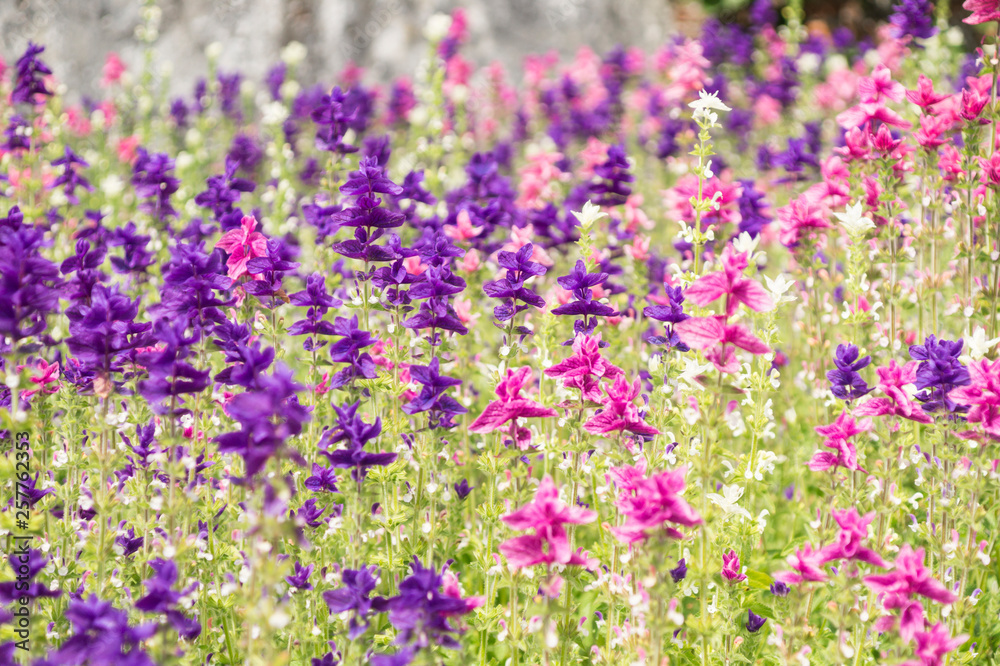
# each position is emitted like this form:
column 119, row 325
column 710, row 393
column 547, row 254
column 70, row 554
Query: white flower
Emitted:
column 778, row 287
column 978, row 345
column 708, row 101
column 691, row 371
column 294, row 53
column 589, row 215
column 745, row 244
column 854, row 221
column 437, row 28
column 728, row 499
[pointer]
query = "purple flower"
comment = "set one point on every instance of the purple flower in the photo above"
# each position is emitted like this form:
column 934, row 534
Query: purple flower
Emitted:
column 779, row 589
column 102, row 635
column 136, row 259
column 17, row 134
column 300, row 579
column 358, row 584
column 161, row 598
column 432, row 398
column 462, row 489
column 938, row 373
column 192, row 282
column 269, row 414
column 70, row 178
column 671, row 313
column 128, row 542
column 29, row 282
column 333, row 120
column 170, row 375
column 152, row 176
column 613, row 190
column 754, row 622
column 224, row 191
column 29, row 82
column 310, row 514
column 847, row 383
column 323, row 480
column 679, row 572
column 348, row 350
column 511, row 289
column 355, row 434
column 914, row 18
column 229, row 94
column 26, row 565
column 420, row 612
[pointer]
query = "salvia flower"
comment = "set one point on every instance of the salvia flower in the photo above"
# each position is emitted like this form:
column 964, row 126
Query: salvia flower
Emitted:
column 938, row 373
column 754, row 622
column 355, row 434
column 510, row 406
column 549, row 544
column 648, row 504
column 29, row 79
column 354, row 597
column 847, row 382
column 585, row 368
column 731, row 567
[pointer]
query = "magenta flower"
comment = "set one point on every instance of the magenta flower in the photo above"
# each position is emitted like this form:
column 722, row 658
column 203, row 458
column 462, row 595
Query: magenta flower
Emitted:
column 983, row 11
column 838, row 436
column 934, row 644
column 731, row 283
column 718, row 339
column 853, row 530
column 731, row 567
column 546, row 515
column 982, row 395
column 892, row 379
column 649, row 504
column 584, row 369
column 909, row 578
column 806, row 563
column 619, row 413
column 511, row 406
column 242, row 244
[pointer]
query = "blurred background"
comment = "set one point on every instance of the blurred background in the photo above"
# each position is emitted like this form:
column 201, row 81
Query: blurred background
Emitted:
column 385, row 37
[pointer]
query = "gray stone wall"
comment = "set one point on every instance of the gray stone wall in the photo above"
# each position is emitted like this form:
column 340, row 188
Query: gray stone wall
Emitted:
column 384, row 36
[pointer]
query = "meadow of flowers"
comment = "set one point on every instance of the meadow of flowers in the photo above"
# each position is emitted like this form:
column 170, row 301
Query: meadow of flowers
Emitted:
column 684, row 357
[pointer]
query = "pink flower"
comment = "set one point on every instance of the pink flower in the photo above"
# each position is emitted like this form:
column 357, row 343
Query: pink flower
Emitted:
column 718, row 339
column 731, row 283
column 863, row 113
column 731, row 567
column 584, row 369
column 853, row 530
column 880, row 87
column 837, row 435
column 648, row 504
column 908, row 578
column 511, row 406
column 463, row 229
column 982, row 395
column 934, row 644
column 242, row 244
column 892, row 379
column 619, row 413
column 47, row 382
column 983, row 11
column 546, row 515
column 113, row 70
column 799, row 216
column 924, row 96
column 806, row 563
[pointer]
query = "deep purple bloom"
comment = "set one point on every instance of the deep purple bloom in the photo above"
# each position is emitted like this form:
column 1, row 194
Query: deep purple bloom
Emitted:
column 511, row 289
column 26, row 565
column 679, row 572
column 462, row 489
column 333, row 120
column 224, row 192
column 347, row 349
column 779, row 589
column 358, row 584
column 70, row 178
column 355, row 434
column 323, row 480
column 136, row 258
column 17, row 135
column 613, row 189
column 754, row 622
column 847, row 383
column 29, row 282
column 420, row 612
column 432, row 396
column 939, row 372
column 29, row 82
column 102, row 635
column 580, row 283
column 914, row 18
column 170, row 374
column 154, row 181
column 162, row 598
